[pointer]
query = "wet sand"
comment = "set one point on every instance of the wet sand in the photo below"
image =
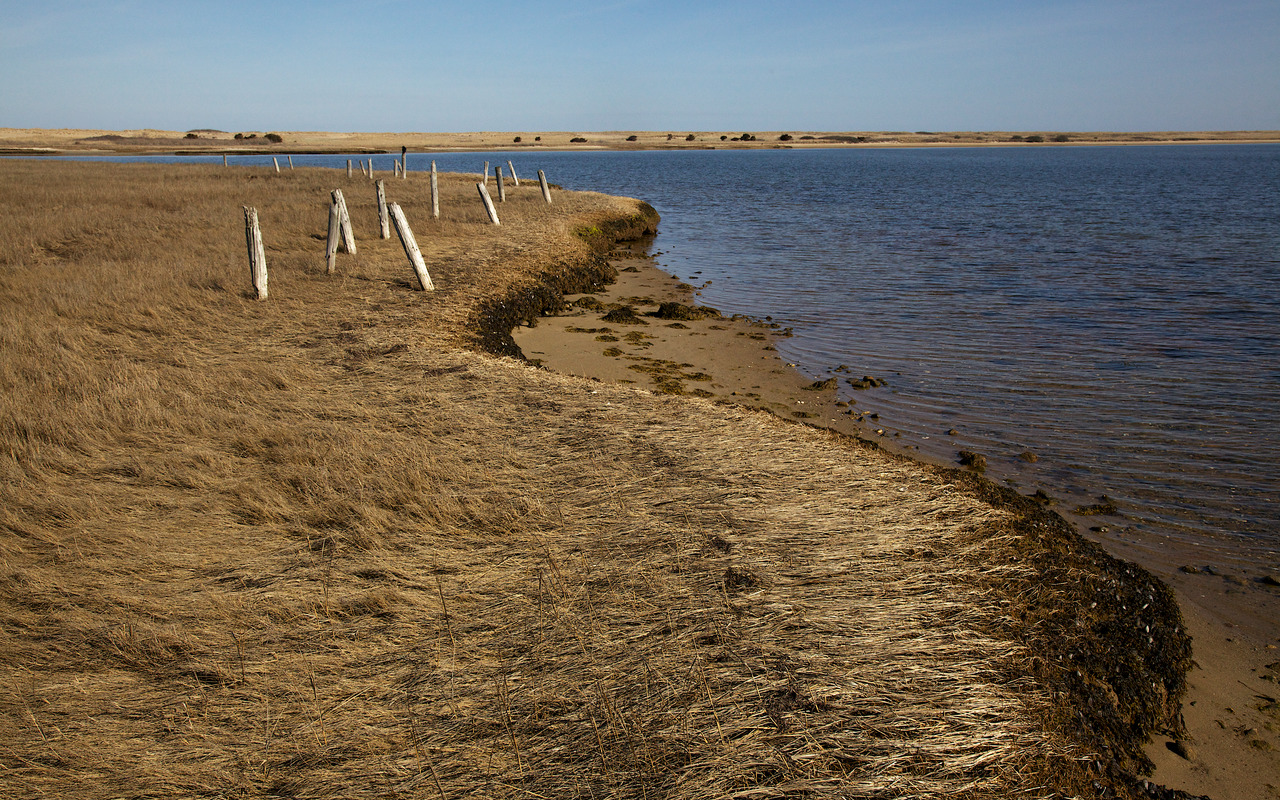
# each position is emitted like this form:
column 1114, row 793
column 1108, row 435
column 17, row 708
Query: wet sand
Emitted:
column 1231, row 710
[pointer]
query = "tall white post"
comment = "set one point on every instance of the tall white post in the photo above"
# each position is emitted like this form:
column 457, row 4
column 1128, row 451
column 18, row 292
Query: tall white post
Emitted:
column 257, row 256
column 435, row 193
column 383, row 226
column 344, row 222
column 488, row 203
column 335, row 233
column 514, row 180
column 546, row 190
column 411, row 249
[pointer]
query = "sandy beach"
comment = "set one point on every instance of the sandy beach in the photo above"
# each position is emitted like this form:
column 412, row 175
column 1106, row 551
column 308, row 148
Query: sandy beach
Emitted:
column 17, row 141
column 1230, row 712
column 330, row 539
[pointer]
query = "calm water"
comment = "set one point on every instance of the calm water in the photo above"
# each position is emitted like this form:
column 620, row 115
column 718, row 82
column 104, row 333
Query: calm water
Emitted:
column 1114, row 310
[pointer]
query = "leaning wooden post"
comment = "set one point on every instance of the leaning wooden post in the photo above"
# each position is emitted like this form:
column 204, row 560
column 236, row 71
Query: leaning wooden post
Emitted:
column 273, row 158
column 344, row 221
column 291, row 163
column 502, row 190
column 411, row 249
column 348, row 169
column 335, row 233
column 485, row 174
column 435, row 193
column 514, row 180
column 488, row 203
column 383, row 226
column 546, row 190
column 257, row 257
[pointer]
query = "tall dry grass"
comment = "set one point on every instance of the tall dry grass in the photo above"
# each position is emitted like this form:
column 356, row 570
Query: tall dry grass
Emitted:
column 315, row 546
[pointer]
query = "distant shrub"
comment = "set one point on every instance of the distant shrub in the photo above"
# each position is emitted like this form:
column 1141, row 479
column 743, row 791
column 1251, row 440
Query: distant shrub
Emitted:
column 670, row 136
column 190, row 136
column 537, row 138
column 1035, row 137
column 633, row 137
column 577, row 140
column 1062, row 137
column 786, row 137
column 274, row 138
column 807, row 138
column 516, row 140
column 1016, row 138
column 239, row 135
column 689, row 138
column 722, row 138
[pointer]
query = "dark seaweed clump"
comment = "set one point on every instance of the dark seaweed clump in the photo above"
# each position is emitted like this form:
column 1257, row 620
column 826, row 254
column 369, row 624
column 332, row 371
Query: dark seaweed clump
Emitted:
column 681, row 311
column 624, row 315
column 1107, row 638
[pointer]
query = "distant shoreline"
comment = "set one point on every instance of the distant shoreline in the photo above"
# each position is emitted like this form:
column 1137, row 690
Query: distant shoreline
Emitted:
column 37, row 141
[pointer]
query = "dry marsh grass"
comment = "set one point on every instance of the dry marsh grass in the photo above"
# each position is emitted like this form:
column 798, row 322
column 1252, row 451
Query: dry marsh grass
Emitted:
column 318, row 546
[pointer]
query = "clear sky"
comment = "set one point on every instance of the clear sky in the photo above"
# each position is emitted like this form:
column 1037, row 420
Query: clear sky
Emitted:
column 565, row 65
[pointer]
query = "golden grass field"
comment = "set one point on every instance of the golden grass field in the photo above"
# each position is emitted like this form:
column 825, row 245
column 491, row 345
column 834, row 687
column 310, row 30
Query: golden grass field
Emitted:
column 25, row 140
column 329, row 545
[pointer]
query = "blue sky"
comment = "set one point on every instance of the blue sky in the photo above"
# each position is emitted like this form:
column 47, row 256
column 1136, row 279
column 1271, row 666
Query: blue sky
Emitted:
column 498, row 65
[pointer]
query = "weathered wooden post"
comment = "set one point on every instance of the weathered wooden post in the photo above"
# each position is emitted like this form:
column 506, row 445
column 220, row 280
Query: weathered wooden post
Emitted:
column 291, row 163
column 277, row 161
column 257, row 257
column 514, row 180
column 502, row 190
column 488, row 203
column 371, row 169
column 435, row 193
column 546, row 190
column 348, row 169
column 404, row 161
column 383, row 226
column 335, row 232
column 224, row 159
column 344, row 222
column 485, row 174
column 411, row 249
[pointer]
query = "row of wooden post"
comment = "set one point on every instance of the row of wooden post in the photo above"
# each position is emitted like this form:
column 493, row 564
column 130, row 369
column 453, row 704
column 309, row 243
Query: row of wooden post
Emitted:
column 400, row 170
column 340, row 234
